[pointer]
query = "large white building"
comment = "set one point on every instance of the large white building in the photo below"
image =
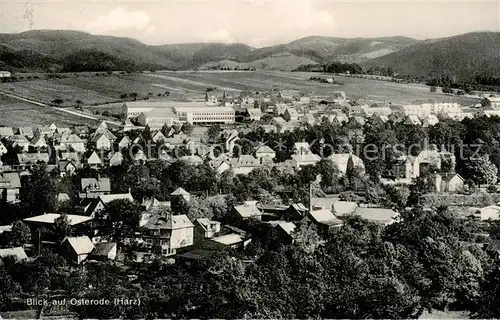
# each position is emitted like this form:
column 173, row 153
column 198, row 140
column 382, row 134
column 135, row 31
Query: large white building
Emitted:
column 205, row 114
column 157, row 118
column 135, row 108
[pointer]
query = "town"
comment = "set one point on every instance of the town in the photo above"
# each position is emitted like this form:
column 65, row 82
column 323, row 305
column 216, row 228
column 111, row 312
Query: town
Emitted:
column 230, row 185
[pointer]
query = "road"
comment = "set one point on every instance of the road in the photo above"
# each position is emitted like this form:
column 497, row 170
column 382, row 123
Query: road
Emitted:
column 72, row 112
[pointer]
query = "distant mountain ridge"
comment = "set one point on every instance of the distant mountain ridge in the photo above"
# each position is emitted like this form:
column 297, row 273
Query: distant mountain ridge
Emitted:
column 463, row 56
column 62, row 50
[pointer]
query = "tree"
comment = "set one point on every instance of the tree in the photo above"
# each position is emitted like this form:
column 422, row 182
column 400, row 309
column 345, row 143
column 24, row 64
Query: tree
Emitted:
column 134, row 95
column 62, row 227
column 124, row 214
column 79, row 103
column 57, row 102
column 19, row 235
column 481, row 170
column 214, row 132
column 433, row 89
column 187, row 128
column 39, row 193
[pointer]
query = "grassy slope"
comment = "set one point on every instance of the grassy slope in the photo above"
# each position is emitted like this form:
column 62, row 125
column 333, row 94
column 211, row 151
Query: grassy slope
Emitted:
column 463, row 56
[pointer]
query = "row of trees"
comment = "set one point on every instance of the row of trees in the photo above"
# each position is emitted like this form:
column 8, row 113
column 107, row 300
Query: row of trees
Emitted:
column 362, row 270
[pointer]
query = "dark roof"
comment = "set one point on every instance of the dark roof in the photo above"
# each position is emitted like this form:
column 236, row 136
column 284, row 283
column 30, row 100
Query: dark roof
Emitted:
column 103, row 248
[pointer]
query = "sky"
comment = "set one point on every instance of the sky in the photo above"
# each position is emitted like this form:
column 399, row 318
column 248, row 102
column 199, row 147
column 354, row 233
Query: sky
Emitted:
column 255, row 22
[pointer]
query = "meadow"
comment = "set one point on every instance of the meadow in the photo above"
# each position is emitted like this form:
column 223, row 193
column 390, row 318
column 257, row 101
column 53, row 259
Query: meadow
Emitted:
column 15, row 113
column 105, row 92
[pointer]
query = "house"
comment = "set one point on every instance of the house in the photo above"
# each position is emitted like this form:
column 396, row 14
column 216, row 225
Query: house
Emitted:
column 228, row 241
column 77, row 249
column 6, row 131
column 44, row 131
column 82, row 131
column 72, row 142
column 93, row 188
column 285, row 230
column 341, row 160
column 19, row 141
column 248, row 210
column 38, row 142
column 291, row 114
column 377, row 215
column 33, row 158
column 449, row 183
column 429, row 121
column 102, row 141
column 157, row 118
column 115, row 159
column 301, row 148
column 489, row 213
column 324, row 219
column 104, row 251
column 10, row 186
column 181, row 193
column 48, row 219
column 300, row 160
column 17, row 253
column 205, row 228
column 254, row 114
column 265, row 152
column 244, row 164
column 412, row 120
column 27, row 132
column 91, row 207
column 94, row 161
column 3, row 149
column 63, row 130
column 158, row 136
column 165, row 235
column 53, row 127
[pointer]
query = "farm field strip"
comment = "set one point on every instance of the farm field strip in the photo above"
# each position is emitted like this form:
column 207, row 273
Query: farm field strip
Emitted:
column 193, row 82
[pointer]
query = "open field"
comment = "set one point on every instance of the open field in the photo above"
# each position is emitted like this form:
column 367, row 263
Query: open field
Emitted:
column 99, row 93
column 376, row 90
column 15, row 113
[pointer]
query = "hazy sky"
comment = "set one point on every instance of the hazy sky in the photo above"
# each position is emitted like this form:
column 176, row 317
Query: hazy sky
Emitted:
column 254, row 22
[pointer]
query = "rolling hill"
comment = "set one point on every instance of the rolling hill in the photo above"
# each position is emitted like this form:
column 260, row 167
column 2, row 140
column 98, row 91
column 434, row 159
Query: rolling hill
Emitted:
column 62, row 50
column 323, row 49
column 463, row 56
column 279, row 61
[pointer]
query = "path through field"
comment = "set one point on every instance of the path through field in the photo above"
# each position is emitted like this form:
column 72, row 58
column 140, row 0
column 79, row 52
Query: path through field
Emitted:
column 75, row 113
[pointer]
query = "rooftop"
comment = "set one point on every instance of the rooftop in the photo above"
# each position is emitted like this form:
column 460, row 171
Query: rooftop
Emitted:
column 49, row 218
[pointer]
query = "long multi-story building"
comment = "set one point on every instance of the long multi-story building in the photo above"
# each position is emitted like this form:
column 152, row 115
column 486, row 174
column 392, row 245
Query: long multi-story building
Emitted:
column 205, row 114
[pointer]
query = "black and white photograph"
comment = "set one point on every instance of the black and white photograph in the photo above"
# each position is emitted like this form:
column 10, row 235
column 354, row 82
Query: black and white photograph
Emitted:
column 249, row 159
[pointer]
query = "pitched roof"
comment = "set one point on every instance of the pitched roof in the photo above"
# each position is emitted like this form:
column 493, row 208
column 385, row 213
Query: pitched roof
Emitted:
column 106, row 198
column 13, row 179
column 102, row 249
column 264, row 149
column 32, row 157
column 325, row 216
column 228, row 239
column 180, row 192
column 17, row 252
column 6, row 131
column 344, row 207
column 380, row 215
column 51, row 217
column 248, row 210
column 81, row 245
column 94, row 159
column 97, row 185
column 171, row 222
